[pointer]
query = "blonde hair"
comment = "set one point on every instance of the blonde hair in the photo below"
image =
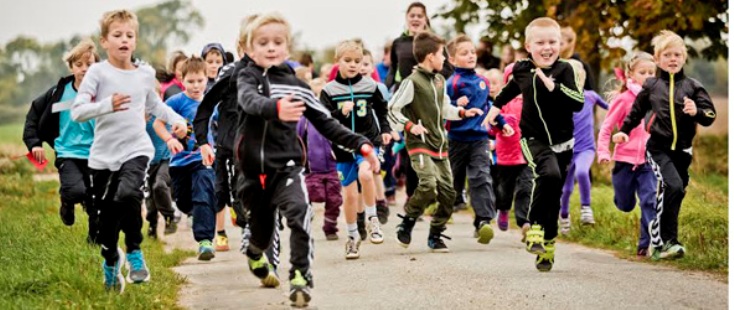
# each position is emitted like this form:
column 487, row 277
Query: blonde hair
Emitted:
column 122, row 16
column 569, row 35
column 636, row 59
column 540, row 22
column 79, row 50
column 262, row 20
column 454, row 43
column 242, row 39
column 346, row 46
column 667, row 39
column 302, row 74
column 578, row 68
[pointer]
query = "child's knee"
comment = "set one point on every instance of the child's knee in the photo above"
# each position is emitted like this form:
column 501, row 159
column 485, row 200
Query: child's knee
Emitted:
column 365, row 174
column 74, row 194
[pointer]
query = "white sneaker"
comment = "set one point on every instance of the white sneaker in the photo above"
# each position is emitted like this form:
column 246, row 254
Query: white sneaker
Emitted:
column 587, row 216
column 352, row 248
column 565, row 225
column 375, row 231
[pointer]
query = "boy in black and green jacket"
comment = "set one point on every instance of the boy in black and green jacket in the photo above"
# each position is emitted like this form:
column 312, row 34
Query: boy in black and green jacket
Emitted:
column 419, row 107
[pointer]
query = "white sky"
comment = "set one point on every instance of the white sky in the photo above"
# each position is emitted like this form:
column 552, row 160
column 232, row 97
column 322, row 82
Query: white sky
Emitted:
column 321, row 23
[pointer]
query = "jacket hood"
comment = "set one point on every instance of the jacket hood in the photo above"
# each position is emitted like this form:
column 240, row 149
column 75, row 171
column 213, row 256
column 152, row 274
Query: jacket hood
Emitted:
column 215, row 46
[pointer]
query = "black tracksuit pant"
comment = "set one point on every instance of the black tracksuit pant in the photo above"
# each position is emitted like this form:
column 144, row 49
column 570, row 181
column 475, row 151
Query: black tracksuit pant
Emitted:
column 472, row 159
column 159, row 193
column 671, row 169
column 226, row 177
column 119, row 196
column 549, row 174
column 75, row 178
column 514, row 181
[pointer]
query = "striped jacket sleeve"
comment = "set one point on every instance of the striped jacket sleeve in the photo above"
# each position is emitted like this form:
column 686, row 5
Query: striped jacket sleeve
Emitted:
column 402, row 98
column 567, row 85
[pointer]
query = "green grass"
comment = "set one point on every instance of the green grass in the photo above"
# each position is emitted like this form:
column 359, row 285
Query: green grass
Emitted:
column 11, row 133
column 11, row 142
column 703, row 225
column 46, row 265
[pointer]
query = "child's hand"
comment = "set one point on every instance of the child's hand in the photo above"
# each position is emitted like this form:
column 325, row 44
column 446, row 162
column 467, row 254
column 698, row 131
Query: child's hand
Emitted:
column 207, row 155
column 39, row 154
column 492, row 145
column 493, row 112
column 620, row 137
column 179, row 129
column 689, row 106
column 418, row 130
column 371, row 158
column 604, row 161
column 347, row 107
column 290, row 111
column 462, row 102
column 118, row 101
column 547, row 81
column 395, row 135
column 473, row 112
column 174, row 146
column 386, row 138
column 507, row 130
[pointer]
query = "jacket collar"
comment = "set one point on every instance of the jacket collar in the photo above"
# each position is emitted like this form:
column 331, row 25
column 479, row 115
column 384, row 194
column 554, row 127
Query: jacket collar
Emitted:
column 666, row 76
column 65, row 80
column 420, row 69
column 465, row 71
column 530, row 57
column 348, row 81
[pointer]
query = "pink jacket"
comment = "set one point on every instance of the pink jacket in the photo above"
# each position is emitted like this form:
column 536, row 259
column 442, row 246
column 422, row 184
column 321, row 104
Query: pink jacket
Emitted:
column 632, row 152
column 509, row 151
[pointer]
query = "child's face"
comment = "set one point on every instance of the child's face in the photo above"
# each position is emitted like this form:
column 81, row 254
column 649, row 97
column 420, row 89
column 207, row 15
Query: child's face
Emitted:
column 416, row 20
column 80, row 66
column 195, row 84
column 435, row 60
column 465, row 56
column 214, row 61
column 495, row 83
column 366, row 67
column 543, row 45
column 642, row 71
column 671, row 59
column 120, row 41
column 507, row 54
column 349, row 63
column 270, row 45
column 325, row 70
column 177, row 70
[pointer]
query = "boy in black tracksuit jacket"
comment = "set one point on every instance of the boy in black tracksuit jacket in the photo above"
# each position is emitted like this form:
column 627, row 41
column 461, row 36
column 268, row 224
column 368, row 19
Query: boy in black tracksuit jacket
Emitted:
column 271, row 157
column 677, row 104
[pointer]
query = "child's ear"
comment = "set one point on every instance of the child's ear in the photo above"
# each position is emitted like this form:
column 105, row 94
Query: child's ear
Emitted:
column 452, row 60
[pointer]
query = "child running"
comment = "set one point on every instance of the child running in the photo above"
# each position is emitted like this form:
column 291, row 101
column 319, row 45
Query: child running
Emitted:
column 678, row 104
column 357, row 103
column 631, row 174
column 272, row 101
column 118, row 94
column 49, row 120
column 547, row 129
column 419, row 108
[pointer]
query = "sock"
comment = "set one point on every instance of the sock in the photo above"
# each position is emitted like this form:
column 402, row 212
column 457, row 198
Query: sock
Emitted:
column 371, row 211
column 360, row 217
column 222, row 233
column 381, row 202
column 352, row 231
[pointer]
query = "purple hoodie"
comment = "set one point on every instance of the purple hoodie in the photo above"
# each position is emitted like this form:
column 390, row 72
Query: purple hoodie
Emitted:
column 320, row 157
column 583, row 122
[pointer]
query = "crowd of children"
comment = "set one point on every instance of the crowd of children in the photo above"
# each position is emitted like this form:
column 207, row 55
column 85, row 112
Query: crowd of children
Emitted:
column 268, row 139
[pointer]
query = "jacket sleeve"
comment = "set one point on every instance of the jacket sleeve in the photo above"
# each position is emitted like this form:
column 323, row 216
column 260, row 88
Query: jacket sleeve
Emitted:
column 567, row 87
column 33, row 118
column 614, row 117
column 206, row 109
column 507, row 93
column 329, row 127
column 450, row 112
column 639, row 108
column 402, row 98
column 447, row 69
column 706, row 112
column 380, row 106
column 599, row 100
column 330, row 105
column 251, row 101
column 84, row 108
column 156, row 107
column 390, row 78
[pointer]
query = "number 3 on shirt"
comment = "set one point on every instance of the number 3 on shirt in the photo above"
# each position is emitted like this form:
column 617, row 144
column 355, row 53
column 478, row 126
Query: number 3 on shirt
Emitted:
column 361, row 108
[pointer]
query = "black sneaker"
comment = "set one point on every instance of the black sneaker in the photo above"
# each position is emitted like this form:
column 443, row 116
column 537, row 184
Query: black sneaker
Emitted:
column 67, row 213
column 171, row 226
column 152, row 232
column 436, row 243
column 383, row 212
column 361, row 226
column 405, row 229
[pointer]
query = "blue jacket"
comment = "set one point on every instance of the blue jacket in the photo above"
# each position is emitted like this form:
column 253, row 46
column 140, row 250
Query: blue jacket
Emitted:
column 466, row 82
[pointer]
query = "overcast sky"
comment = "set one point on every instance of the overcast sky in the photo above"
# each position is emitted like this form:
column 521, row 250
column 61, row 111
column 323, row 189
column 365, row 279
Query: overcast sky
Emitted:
column 321, row 23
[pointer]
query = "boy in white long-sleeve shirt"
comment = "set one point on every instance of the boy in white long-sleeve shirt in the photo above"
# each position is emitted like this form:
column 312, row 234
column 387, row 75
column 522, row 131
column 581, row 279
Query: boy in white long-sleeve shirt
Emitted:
column 118, row 94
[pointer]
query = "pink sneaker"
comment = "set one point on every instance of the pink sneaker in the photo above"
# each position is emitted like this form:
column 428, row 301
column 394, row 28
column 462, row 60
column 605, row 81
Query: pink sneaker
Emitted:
column 504, row 220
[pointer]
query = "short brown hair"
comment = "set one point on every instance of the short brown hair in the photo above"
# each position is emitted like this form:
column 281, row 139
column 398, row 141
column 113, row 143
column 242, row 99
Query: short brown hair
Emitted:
column 117, row 16
column 82, row 48
column 193, row 64
column 454, row 43
column 540, row 22
column 426, row 43
column 176, row 57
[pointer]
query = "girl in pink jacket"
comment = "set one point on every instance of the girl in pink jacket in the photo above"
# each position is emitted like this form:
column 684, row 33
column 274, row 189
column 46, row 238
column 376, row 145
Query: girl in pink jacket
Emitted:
column 631, row 174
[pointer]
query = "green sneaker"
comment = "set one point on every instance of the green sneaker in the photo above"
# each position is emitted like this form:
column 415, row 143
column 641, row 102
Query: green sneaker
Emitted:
column 544, row 262
column 206, row 251
column 262, row 269
column 668, row 251
column 534, row 240
column 300, row 291
column 485, row 233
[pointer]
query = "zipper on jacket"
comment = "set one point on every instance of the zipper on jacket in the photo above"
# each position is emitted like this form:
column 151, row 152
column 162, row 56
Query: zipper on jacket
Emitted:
column 672, row 111
column 540, row 114
column 438, row 121
column 263, row 175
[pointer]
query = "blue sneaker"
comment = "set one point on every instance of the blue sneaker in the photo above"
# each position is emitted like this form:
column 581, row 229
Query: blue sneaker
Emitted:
column 206, row 250
column 113, row 279
column 138, row 270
